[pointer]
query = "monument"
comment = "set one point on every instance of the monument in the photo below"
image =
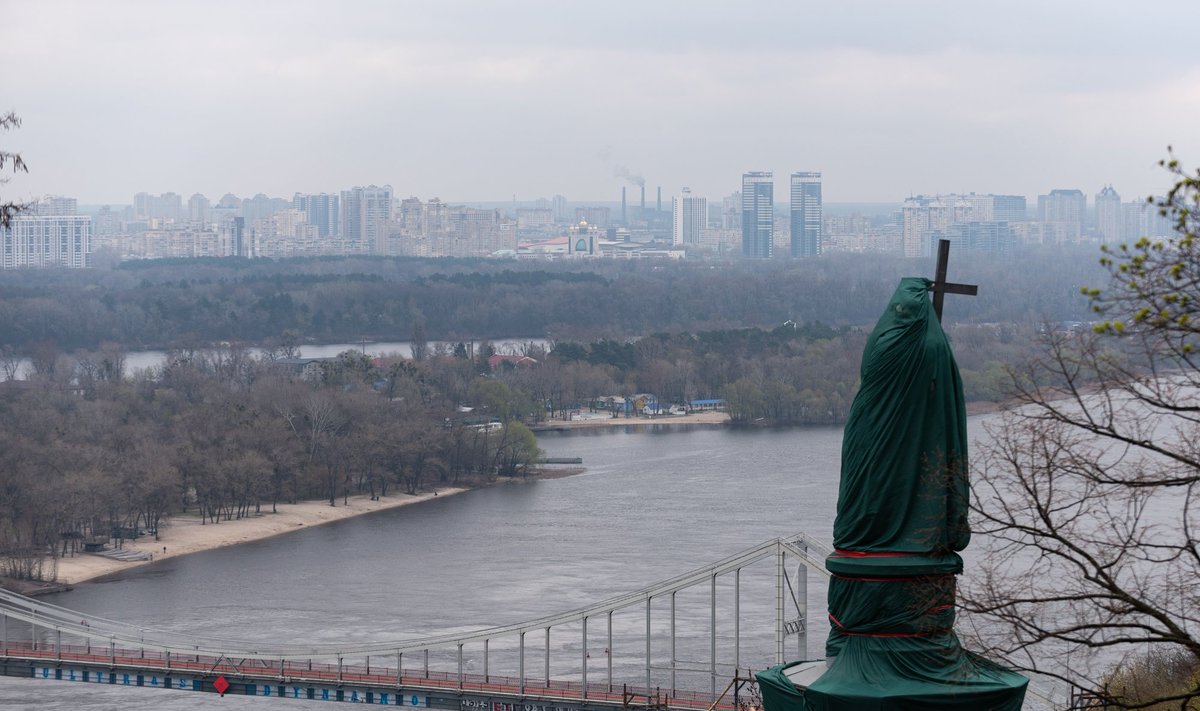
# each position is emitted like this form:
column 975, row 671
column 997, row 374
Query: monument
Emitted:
column 901, row 521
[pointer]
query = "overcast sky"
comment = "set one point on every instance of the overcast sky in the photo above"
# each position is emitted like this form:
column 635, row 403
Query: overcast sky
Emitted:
column 473, row 101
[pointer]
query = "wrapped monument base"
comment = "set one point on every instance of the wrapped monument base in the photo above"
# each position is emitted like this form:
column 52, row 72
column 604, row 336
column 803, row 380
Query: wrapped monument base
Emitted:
column 895, row 673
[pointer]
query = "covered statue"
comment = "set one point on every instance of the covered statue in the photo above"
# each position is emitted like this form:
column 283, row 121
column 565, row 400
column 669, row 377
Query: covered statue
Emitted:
column 901, row 521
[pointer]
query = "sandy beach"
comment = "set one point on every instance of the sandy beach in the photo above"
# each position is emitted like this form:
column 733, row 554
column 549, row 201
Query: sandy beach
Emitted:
column 181, row 535
column 698, row 418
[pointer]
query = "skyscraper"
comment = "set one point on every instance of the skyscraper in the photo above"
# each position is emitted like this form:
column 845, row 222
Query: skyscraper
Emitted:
column 560, row 208
column 1062, row 211
column 924, row 215
column 1108, row 215
column 365, row 212
column 56, row 206
column 690, row 217
column 167, row 206
column 758, row 213
column 198, row 208
column 1009, row 208
column 320, row 210
column 806, row 214
column 233, row 232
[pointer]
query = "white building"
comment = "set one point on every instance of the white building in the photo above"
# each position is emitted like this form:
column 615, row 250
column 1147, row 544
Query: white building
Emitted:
column 1108, row 215
column 690, row 218
column 198, row 207
column 364, row 216
column 922, row 215
column 56, row 206
column 47, row 241
column 1063, row 211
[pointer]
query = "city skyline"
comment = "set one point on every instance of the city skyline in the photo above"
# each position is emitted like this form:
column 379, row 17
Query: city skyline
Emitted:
column 478, row 102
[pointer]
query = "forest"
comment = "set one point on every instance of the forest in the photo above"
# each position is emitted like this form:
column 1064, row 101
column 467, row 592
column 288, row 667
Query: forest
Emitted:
column 162, row 304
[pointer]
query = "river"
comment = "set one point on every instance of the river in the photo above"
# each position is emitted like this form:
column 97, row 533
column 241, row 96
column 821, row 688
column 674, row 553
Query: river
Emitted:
column 652, row 503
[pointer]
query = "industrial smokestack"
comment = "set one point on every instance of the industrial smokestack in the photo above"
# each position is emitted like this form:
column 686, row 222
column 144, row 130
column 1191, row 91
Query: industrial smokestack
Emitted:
column 623, row 220
column 658, row 203
column 642, row 214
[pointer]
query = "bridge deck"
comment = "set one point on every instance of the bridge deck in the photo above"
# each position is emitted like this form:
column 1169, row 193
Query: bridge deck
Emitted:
column 370, row 676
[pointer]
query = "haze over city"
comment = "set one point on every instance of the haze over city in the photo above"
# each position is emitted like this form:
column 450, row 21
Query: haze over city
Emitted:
column 486, row 101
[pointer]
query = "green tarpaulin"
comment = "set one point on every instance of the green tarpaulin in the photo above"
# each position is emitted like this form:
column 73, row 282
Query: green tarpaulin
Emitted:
column 901, row 518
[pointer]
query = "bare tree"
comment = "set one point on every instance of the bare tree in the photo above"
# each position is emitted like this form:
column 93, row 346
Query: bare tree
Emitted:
column 420, row 344
column 10, row 209
column 10, row 363
column 1091, row 565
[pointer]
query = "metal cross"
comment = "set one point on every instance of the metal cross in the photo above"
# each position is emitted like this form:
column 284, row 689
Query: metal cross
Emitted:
column 940, row 287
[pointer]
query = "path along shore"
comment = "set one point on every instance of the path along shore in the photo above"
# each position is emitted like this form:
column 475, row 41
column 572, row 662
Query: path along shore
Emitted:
column 181, row 535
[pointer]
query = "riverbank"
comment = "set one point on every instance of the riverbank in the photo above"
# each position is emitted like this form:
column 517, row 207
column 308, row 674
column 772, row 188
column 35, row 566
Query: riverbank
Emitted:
column 977, row 407
column 696, row 418
column 182, row 535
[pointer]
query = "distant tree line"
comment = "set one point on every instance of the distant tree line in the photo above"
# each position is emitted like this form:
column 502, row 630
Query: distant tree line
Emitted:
column 792, row 374
column 189, row 303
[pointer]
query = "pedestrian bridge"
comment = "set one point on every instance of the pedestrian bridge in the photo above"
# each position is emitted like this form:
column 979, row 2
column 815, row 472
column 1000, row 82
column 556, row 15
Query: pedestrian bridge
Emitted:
column 486, row 670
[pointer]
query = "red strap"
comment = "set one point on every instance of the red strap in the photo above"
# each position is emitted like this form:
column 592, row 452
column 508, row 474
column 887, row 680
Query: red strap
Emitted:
column 842, row 629
column 909, row 579
column 864, row 554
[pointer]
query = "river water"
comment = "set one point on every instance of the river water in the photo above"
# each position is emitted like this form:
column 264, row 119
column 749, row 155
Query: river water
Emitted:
column 652, row 503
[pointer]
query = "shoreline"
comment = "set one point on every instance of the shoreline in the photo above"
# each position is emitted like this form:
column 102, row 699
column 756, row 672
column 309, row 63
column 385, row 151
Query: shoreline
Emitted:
column 698, row 418
column 973, row 408
column 182, row 535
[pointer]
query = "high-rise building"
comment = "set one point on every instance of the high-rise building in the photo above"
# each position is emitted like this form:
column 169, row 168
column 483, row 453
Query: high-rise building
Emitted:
column 1063, row 211
column 731, row 212
column 321, row 211
column 56, row 206
column 594, row 216
column 758, row 213
column 806, row 214
column 924, row 215
column 198, row 208
column 690, row 218
column 560, row 209
column 981, row 236
column 1108, row 215
column 261, row 207
column 234, row 234
column 365, row 213
column 165, row 207
column 47, row 241
column 534, row 217
column 1008, row 208
column 1140, row 218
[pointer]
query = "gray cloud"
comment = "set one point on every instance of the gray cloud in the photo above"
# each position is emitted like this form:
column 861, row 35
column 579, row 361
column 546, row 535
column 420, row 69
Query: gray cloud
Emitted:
column 480, row 100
